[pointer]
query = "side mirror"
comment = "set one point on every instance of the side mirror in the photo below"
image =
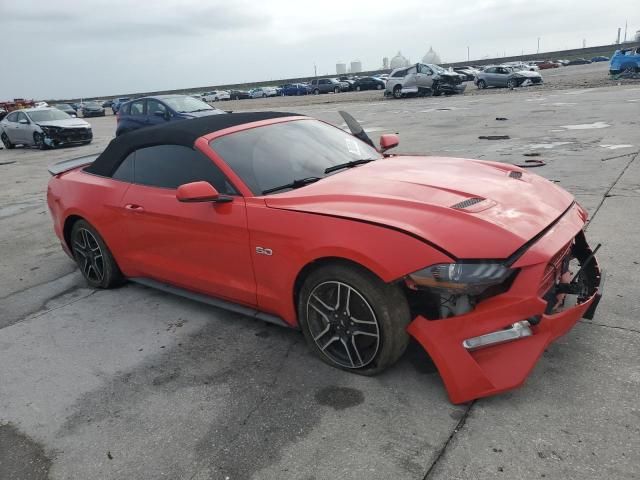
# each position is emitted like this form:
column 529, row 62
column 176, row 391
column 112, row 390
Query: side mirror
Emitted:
column 23, row 121
column 388, row 141
column 199, row 192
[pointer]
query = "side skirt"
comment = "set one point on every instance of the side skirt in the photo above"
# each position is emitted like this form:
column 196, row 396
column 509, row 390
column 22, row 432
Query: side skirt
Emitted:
column 216, row 302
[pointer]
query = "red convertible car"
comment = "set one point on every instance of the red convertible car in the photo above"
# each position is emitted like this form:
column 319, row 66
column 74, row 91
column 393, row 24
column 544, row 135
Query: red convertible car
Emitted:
column 297, row 222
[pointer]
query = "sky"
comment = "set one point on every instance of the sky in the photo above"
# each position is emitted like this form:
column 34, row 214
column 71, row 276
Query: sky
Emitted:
column 92, row 48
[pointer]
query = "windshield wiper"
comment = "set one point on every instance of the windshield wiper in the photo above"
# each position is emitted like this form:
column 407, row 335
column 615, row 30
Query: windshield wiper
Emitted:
column 350, row 164
column 200, row 110
column 297, row 183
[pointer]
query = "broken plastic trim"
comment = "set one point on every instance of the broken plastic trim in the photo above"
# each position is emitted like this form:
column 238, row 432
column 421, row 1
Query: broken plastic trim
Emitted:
column 517, row 330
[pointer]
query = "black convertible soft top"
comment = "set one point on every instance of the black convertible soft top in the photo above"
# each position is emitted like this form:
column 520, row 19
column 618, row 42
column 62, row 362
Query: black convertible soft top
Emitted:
column 184, row 132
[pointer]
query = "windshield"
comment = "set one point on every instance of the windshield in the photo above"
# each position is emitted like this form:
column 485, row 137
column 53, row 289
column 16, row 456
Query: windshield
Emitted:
column 186, row 104
column 48, row 115
column 274, row 155
column 436, row 68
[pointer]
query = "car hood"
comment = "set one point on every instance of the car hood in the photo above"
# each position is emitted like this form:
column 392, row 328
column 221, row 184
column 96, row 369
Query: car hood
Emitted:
column 429, row 197
column 527, row 74
column 66, row 123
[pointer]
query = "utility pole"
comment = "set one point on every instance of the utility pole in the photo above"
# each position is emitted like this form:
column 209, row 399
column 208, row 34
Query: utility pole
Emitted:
column 468, row 55
column 315, row 70
column 625, row 30
column 538, row 45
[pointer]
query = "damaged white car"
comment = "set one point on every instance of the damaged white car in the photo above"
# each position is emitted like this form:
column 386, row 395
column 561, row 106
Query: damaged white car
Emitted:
column 424, row 80
column 43, row 128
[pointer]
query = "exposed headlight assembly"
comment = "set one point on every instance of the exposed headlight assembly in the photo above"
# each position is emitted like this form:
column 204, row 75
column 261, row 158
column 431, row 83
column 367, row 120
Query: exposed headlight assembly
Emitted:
column 460, row 278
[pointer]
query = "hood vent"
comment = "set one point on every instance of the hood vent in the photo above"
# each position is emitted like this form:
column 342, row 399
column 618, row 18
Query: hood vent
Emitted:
column 468, row 203
column 516, row 175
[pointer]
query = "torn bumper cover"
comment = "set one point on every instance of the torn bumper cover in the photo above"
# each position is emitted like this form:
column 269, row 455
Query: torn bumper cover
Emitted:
column 493, row 348
column 54, row 136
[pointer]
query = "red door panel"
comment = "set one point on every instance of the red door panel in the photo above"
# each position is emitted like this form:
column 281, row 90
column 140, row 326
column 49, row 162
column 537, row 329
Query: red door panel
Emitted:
column 200, row 246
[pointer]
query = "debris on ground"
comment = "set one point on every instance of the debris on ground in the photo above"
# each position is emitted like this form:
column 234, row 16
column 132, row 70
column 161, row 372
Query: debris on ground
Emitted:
column 531, row 164
column 532, row 154
column 494, row 137
column 501, row 118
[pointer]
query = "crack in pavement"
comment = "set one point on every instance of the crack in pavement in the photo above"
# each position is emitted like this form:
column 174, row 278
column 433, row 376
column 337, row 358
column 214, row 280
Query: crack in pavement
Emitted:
column 611, row 187
column 75, row 300
column 595, row 324
column 459, row 426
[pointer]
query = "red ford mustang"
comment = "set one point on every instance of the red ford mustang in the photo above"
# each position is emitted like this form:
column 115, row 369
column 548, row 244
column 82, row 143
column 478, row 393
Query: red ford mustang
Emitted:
column 294, row 221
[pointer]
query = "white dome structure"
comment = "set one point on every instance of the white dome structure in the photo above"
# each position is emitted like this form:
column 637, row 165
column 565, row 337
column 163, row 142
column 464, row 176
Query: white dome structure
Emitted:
column 431, row 57
column 399, row 61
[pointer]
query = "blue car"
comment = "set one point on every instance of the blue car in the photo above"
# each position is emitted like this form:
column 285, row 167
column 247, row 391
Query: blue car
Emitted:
column 294, row 89
column 626, row 60
column 149, row 111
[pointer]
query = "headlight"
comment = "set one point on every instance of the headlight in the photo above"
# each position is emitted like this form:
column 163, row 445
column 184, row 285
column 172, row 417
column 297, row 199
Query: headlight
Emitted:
column 460, row 278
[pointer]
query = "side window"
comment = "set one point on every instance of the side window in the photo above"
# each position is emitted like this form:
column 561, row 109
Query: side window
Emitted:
column 21, row 116
column 411, row 70
column 136, row 108
column 125, row 171
column 399, row 74
column 154, row 107
column 490, row 70
column 169, row 166
column 12, row 117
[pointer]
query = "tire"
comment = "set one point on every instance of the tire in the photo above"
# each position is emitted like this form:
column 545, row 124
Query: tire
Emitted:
column 6, row 142
column 436, row 89
column 482, row 84
column 512, row 83
column 336, row 90
column 358, row 88
column 397, row 91
column 379, row 312
column 628, row 68
column 378, row 87
column 264, row 95
column 316, row 92
column 93, row 257
column 38, row 141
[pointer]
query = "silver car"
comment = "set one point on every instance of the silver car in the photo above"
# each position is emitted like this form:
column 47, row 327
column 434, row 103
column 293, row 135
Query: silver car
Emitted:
column 506, row 76
column 423, row 79
column 43, row 128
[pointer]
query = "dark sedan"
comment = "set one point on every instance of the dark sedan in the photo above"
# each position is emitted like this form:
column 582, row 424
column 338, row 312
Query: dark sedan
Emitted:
column 578, row 61
column 368, row 83
column 92, row 109
column 66, row 108
column 238, row 94
column 600, row 58
column 294, row 89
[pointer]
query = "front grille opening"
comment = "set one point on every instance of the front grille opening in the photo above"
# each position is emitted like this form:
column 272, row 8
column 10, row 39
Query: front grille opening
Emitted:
column 516, row 175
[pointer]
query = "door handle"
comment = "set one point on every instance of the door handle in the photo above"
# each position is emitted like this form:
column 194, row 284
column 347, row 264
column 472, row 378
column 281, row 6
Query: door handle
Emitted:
column 134, row 208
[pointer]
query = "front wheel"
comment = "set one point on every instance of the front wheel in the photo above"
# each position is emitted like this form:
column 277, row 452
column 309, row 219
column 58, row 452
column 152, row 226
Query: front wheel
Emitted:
column 512, row 83
column 94, row 259
column 336, row 90
column 378, row 87
column 358, row 88
column 397, row 91
column 38, row 141
column 353, row 320
column 482, row 84
column 316, row 92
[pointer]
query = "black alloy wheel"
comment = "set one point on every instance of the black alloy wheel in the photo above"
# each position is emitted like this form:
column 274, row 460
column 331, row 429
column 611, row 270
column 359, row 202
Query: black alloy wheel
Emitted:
column 353, row 320
column 94, row 259
column 397, row 91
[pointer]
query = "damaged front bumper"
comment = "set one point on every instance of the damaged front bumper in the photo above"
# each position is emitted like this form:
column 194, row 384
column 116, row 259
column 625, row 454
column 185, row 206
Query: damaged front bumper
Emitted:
column 493, row 348
column 54, row 137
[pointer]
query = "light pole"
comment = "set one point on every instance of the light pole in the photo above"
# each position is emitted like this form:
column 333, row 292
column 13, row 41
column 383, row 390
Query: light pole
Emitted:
column 315, row 70
column 468, row 56
column 538, row 45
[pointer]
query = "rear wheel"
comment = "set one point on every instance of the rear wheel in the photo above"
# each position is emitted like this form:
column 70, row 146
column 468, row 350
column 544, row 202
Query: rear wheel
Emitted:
column 94, row 259
column 336, row 90
column 358, row 88
column 352, row 320
column 6, row 142
column 316, row 92
column 378, row 87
